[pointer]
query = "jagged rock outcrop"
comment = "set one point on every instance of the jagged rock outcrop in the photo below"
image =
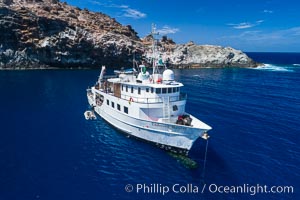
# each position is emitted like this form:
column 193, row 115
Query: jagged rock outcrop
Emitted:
column 49, row 33
column 191, row 55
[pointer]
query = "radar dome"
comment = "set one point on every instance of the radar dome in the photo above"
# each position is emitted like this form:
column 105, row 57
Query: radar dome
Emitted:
column 168, row 75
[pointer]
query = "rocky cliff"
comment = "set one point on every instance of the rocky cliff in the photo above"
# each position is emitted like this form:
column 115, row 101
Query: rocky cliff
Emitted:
column 191, row 55
column 43, row 33
column 49, row 33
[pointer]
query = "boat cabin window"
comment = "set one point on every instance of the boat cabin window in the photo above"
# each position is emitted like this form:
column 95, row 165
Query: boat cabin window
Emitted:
column 174, row 89
column 119, row 107
column 175, row 108
column 147, row 89
column 158, row 90
column 126, row 88
column 125, row 109
column 152, row 90
column 122, row 87
column 131, row 89
column 164, row 90
column 112, row 104
column 139, row 90
column 107, row 102
column 169, row 90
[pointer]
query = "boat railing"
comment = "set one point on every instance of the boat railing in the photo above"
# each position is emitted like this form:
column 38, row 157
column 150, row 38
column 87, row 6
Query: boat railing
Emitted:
column 180, row 97
column 109, row 77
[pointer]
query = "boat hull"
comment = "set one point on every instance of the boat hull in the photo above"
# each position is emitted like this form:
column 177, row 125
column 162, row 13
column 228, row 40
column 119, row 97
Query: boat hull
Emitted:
column 171, row 137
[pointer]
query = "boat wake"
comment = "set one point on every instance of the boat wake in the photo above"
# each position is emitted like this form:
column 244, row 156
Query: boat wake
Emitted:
column 272, row 67
column 296, row 64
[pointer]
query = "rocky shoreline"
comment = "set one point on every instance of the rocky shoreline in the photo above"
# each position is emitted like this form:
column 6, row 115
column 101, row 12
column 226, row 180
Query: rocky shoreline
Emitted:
column 43, row 34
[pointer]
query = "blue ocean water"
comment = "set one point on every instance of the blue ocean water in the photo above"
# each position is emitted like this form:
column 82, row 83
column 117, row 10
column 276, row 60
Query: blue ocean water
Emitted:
column 49, row 151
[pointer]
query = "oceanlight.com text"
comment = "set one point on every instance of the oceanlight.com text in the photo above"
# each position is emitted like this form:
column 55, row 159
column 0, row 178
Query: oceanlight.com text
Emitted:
column 155, row 188
column 249, row 189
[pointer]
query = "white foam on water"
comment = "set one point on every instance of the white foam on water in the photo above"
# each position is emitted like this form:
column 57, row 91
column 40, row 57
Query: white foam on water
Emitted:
column 296, row 64
column 277, row 68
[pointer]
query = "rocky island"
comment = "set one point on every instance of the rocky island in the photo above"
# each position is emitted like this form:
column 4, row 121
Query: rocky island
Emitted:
column 53, row 34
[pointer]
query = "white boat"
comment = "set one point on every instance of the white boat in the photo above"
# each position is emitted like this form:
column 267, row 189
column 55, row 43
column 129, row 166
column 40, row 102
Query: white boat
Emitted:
column 147, row 106
column 89, row 115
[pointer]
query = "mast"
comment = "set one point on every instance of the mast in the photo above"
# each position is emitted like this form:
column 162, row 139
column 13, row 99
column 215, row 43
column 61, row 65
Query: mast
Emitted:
column 101, row 75
column 153, row 33
column 133, row 60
